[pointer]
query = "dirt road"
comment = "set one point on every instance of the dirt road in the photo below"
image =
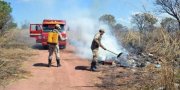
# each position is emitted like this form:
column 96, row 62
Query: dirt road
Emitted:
column 72, row 75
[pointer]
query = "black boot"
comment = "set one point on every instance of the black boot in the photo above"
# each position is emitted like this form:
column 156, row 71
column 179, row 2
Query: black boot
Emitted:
column 58, row 62
column 93, row 66
column 49, row 62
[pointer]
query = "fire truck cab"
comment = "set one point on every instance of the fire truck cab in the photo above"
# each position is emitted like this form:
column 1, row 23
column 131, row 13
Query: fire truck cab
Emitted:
column 40, row 32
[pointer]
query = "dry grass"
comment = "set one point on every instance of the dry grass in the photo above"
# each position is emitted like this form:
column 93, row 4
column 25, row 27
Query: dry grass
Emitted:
column 163, row 45
column 12, row 54
column 149, row 78
column 158, row 42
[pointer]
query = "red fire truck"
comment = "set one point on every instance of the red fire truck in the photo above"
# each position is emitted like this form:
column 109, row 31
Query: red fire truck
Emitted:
column 40, row 31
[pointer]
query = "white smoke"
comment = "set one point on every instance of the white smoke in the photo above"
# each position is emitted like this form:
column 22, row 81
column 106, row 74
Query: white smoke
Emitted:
column 111, row 43
column 84, row 24
column 23, row 37
column 81, row 34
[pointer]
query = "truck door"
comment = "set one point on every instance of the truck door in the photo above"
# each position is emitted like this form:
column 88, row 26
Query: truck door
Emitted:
column 35, row 30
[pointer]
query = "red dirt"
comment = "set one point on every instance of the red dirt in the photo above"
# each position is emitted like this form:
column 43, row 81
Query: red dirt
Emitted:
column 72, row 75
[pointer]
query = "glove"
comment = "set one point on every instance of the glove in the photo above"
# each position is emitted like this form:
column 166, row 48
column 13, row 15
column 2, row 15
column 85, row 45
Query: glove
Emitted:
column 104, row 48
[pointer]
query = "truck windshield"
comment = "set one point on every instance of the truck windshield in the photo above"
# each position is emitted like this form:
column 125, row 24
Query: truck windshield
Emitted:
column 49, row 27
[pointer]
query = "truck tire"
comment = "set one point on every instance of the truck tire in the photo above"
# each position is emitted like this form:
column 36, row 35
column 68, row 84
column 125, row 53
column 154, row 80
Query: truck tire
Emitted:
column 45, row 47
column 62, row 47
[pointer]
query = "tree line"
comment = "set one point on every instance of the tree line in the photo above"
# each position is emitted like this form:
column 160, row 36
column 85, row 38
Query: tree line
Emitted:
column 145, row 21
column 6, row 19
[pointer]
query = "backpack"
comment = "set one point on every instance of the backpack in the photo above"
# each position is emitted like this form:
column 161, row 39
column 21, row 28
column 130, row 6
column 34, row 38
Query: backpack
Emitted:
column 52, row 38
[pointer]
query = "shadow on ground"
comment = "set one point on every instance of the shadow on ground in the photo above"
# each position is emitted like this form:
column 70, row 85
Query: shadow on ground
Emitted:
column 40, row 65
column 87, row 68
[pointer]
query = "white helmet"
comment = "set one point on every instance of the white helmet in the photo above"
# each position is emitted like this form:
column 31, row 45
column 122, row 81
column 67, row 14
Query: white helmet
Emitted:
column 57, row 26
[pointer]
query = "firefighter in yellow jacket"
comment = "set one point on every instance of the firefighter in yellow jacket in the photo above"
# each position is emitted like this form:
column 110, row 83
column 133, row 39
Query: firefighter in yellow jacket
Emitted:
column 54, row 47
column 96, row 43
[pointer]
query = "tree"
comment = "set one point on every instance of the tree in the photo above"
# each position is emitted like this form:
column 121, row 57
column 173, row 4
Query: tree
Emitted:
column 6, row 20
column 108, row 19
column 119, row 30
column 169, row 24
column 144, row 21
column 120, row 27
column 172, row 7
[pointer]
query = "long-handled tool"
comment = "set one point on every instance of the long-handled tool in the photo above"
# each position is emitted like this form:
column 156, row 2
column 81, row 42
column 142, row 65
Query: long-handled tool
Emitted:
column 118, row 55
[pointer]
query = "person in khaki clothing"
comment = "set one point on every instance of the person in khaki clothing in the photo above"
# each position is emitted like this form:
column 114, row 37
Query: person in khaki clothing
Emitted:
column 55, row 47
column 96, row 43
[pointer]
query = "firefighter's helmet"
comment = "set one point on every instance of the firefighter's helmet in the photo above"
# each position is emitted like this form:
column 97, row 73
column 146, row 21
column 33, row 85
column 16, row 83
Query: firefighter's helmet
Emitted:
column 57, row 26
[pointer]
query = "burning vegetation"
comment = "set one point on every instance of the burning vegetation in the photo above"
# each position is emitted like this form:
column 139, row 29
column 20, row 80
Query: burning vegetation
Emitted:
column 155, row 63
column 150, row 59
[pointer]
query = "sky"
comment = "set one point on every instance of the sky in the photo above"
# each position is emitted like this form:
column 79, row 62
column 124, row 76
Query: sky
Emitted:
column 34, row 11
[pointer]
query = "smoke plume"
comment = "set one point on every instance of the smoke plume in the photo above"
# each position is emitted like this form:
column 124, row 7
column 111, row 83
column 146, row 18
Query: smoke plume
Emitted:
column 81, row 34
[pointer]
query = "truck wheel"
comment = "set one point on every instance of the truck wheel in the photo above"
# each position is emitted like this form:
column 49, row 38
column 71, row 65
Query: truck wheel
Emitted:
column 45, row 47
column 62, row 47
